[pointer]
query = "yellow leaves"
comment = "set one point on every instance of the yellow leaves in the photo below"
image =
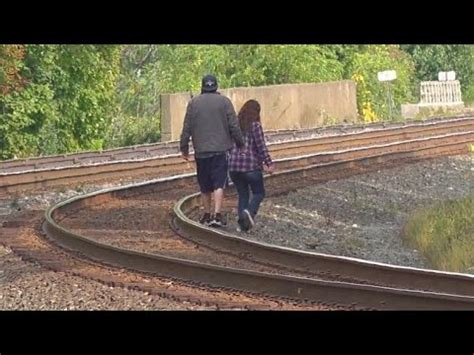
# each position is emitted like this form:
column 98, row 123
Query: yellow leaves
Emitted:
column 364, row 99
column 368, row 113
column 10, row 57
column 358, row 78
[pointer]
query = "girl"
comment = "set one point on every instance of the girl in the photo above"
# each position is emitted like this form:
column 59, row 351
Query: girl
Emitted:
column 246, row 164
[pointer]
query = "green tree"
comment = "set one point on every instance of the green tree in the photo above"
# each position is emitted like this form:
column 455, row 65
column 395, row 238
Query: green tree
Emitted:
column 431, row 59
column 67, row 103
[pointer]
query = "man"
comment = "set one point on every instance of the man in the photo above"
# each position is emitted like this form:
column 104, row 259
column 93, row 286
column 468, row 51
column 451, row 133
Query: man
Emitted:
column 212, row 123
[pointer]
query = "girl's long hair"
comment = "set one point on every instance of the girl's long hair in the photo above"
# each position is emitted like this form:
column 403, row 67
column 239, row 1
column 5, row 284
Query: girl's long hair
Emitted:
column 249, row 113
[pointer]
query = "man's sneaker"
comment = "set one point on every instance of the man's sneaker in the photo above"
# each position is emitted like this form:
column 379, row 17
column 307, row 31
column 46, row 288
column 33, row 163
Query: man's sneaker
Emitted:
column 205, row 219
column 248, row 218
column 217, row 221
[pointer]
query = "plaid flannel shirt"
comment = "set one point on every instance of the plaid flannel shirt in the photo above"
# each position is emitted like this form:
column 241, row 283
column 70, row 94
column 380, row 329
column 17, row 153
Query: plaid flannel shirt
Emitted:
column 253, row 154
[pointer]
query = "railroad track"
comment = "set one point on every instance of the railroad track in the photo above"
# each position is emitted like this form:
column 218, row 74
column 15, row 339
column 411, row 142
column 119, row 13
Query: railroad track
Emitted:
column 130, row 227
column 161, row 160
column 165, row 148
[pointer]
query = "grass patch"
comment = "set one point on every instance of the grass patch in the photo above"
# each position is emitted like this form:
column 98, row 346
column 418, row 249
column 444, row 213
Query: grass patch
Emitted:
column 430, row 112
column 354, row 243
column 14, row 204
column 445, row 234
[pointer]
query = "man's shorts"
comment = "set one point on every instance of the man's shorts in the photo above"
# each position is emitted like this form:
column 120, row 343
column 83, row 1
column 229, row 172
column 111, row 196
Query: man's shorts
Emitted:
column 212, row 172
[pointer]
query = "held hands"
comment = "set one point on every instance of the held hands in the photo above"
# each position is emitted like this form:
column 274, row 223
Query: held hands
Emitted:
column 268, row 169
column 185, row 156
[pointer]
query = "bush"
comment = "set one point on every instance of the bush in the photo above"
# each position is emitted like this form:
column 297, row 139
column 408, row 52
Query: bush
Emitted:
column 372, row 94
column 130, row 130
column 444, row 234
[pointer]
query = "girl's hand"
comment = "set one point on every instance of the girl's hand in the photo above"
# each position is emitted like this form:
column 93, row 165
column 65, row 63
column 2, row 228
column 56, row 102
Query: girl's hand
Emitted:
column 268, row 169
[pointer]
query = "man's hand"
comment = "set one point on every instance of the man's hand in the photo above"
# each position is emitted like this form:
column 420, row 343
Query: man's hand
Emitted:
column 185, row 156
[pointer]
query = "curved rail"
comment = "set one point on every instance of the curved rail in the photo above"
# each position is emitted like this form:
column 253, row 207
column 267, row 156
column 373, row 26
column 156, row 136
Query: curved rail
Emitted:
column 410, row 289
